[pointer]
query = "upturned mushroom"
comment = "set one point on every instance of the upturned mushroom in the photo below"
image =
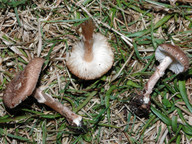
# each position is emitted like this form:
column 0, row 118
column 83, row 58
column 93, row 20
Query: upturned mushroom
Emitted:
column 169, row 56
column 91, row 57
column 24, row 84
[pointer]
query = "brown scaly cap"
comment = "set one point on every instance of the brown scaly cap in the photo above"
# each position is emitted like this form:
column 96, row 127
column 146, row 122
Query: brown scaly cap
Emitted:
column 176, row 53
column 23, row 84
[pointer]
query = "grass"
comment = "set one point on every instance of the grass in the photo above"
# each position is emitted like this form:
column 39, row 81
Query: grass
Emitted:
column 134, row 29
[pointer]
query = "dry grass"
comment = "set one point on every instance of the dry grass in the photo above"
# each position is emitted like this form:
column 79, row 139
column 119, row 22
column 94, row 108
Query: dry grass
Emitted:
column 134, row 29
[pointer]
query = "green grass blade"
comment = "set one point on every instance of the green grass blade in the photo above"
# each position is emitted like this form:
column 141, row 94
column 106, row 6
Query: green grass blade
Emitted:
column 136, row 51
column 182, row 90
column 13, row 119
column 107, row 99
column 178, row 140
column 174, row 123
column 18, row 138
column 178, row 130
column 133, row 84
column 187, row 130
column 159, row 4
column 17, row 16
column 182, row 117
column 91, row 95
column 161, row 116
column 146, row 31
column 44, row 132
column 98, row 117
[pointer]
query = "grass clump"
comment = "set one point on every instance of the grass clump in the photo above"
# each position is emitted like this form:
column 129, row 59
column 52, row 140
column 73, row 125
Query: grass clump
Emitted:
column 134, row 29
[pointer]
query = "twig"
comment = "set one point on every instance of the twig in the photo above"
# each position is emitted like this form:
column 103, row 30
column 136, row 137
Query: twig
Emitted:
column 40, row 38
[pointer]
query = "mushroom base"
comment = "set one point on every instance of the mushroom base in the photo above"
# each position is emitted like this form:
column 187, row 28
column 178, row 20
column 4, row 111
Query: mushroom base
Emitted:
column 139, row 107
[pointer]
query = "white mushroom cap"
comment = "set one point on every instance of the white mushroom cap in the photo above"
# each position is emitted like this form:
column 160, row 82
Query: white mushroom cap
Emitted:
column 100, row 64
column 180, row 60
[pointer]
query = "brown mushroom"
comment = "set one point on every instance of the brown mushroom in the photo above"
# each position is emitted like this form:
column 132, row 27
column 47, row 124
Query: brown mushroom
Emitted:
column 169, row 56
column 92, row 57
column 24, row 84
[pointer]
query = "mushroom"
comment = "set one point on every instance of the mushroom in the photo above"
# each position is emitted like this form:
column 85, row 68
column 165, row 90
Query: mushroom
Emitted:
column 91, row 57
column 169, row 56
column 24, row 84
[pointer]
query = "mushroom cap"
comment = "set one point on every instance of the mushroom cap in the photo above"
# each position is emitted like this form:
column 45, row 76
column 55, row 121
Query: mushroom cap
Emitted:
column 180, row 60
column 100, row 64
column 23, row 84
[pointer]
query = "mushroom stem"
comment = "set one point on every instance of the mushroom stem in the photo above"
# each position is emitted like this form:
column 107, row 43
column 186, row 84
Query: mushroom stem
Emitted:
column 72, row 118
column 88, row 54
column 160, row 71
column 87, row 32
